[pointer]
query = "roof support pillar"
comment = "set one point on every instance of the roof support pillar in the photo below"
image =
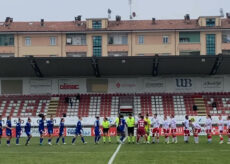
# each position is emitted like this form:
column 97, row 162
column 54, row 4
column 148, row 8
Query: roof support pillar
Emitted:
column 95, row 67
column 217, row 64
column 155, row 66
column 35, row 67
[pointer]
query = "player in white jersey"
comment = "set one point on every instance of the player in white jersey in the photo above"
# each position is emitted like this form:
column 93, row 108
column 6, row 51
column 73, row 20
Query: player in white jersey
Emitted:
column 208, row 127
column 186, row 129
column 165, row 126
column 196, row 128
column 228, row 129
column 221, row 129
column 173, row 129
column 156, row 129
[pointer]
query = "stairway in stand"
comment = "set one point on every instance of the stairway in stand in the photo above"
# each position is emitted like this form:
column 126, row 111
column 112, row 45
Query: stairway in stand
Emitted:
column 199, row 102
column 52, row 110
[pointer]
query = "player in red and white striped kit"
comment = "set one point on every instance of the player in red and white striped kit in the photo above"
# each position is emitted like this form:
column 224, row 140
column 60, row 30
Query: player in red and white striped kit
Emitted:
column 208, row 127
column 186, row 129
column 228, row 129
column 173, row 129
column 196, row 128
column 165, row 126
column 141, row 129
column 221, row 129
column 156, row 129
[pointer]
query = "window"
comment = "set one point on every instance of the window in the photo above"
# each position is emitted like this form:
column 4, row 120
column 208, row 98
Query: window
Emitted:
column 165, row 39
column 6, row 40
column 96, row 24
column 53, row 41
column 97, row 46
column 141, row 39
column 118, row 39
column 28, row 41
column 226, row 52
column 189, row 37
column 211, row 44
column 226, row 37
column 76, row 39
column 190, row 53
column 210, row 22
column 117, row 54
column 76, row 54
column 5, row 55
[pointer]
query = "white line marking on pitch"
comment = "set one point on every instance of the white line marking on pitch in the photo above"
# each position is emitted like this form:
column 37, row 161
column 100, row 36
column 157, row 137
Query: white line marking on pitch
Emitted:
column 115, row 153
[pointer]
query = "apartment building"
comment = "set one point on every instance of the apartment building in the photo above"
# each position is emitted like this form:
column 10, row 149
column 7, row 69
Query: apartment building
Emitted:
column 207, row 35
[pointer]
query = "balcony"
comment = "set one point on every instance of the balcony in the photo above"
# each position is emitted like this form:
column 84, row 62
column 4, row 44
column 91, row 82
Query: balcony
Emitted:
column 76, row 48
column 226, row 46
column 7, row 49
column 118, row 48
column 189, row 46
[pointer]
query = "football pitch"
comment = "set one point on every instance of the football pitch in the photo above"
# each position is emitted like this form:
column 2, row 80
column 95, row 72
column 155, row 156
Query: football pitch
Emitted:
column 90, row 153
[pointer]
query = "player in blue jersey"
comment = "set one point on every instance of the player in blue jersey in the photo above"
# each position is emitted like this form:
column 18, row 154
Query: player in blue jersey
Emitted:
column 50, row 127
column 61, row 132
column 41, row 128
column 121, row 127
column 18, row 131
column 8, row 130
column 78, row 131
column 97, row 130
column 0, row 129
column 28, row 131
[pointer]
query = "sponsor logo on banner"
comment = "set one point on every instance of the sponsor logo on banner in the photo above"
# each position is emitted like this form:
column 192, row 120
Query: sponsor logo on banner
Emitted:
column 151, row 85
column 112, row 131
column 69, row 86
column 126, row 85
column 72, row 85
column 85, row 132
column 35, row 132
column 216, row 83
column 184, row 83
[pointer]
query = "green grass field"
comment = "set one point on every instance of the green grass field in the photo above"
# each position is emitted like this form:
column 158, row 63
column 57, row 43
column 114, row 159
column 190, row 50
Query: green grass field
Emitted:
column 129, row 153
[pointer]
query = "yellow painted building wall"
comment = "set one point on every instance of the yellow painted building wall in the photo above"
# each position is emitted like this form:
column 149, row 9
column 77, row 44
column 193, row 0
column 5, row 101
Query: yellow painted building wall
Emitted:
column 40, row 45
column 153, row 44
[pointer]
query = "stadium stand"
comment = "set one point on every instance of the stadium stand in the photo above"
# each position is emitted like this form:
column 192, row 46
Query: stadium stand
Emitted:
column 109, row 104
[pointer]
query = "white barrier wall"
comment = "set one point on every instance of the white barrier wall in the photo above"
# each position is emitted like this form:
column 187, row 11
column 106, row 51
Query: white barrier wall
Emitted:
column 128, row 85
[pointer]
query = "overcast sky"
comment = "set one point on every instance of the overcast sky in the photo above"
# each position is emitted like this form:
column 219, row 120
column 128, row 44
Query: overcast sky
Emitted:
column 54, row 10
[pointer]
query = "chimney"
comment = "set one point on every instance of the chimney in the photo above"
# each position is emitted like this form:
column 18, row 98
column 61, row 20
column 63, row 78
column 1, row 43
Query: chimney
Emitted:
column 42, row 22
column 187, row 18
column 153, row 20
column 78, row 20
column 8, row 21
column 228, row 15
column 118, row 19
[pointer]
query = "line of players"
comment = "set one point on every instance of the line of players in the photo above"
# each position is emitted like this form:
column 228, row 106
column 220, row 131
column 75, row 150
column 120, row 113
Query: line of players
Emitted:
column 143, row 125
column 41, row 129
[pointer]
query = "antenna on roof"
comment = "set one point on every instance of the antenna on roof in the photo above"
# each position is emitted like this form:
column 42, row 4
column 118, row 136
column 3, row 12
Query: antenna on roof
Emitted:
column 131, row 13
column 221, row 12
column 109, row 13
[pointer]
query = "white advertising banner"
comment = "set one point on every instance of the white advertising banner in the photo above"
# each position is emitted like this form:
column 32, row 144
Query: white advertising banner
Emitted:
column 215, row 84
column 41, row 86
column 71, row 86
column 122, row 85
column 183, row 84
column 154, row 85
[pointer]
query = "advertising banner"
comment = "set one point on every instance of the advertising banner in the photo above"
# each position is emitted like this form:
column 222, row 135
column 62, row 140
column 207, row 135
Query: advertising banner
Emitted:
column 71, row 86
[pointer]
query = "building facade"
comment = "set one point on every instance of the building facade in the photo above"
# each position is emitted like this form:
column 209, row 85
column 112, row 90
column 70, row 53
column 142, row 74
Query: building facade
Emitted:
column 102, row 37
